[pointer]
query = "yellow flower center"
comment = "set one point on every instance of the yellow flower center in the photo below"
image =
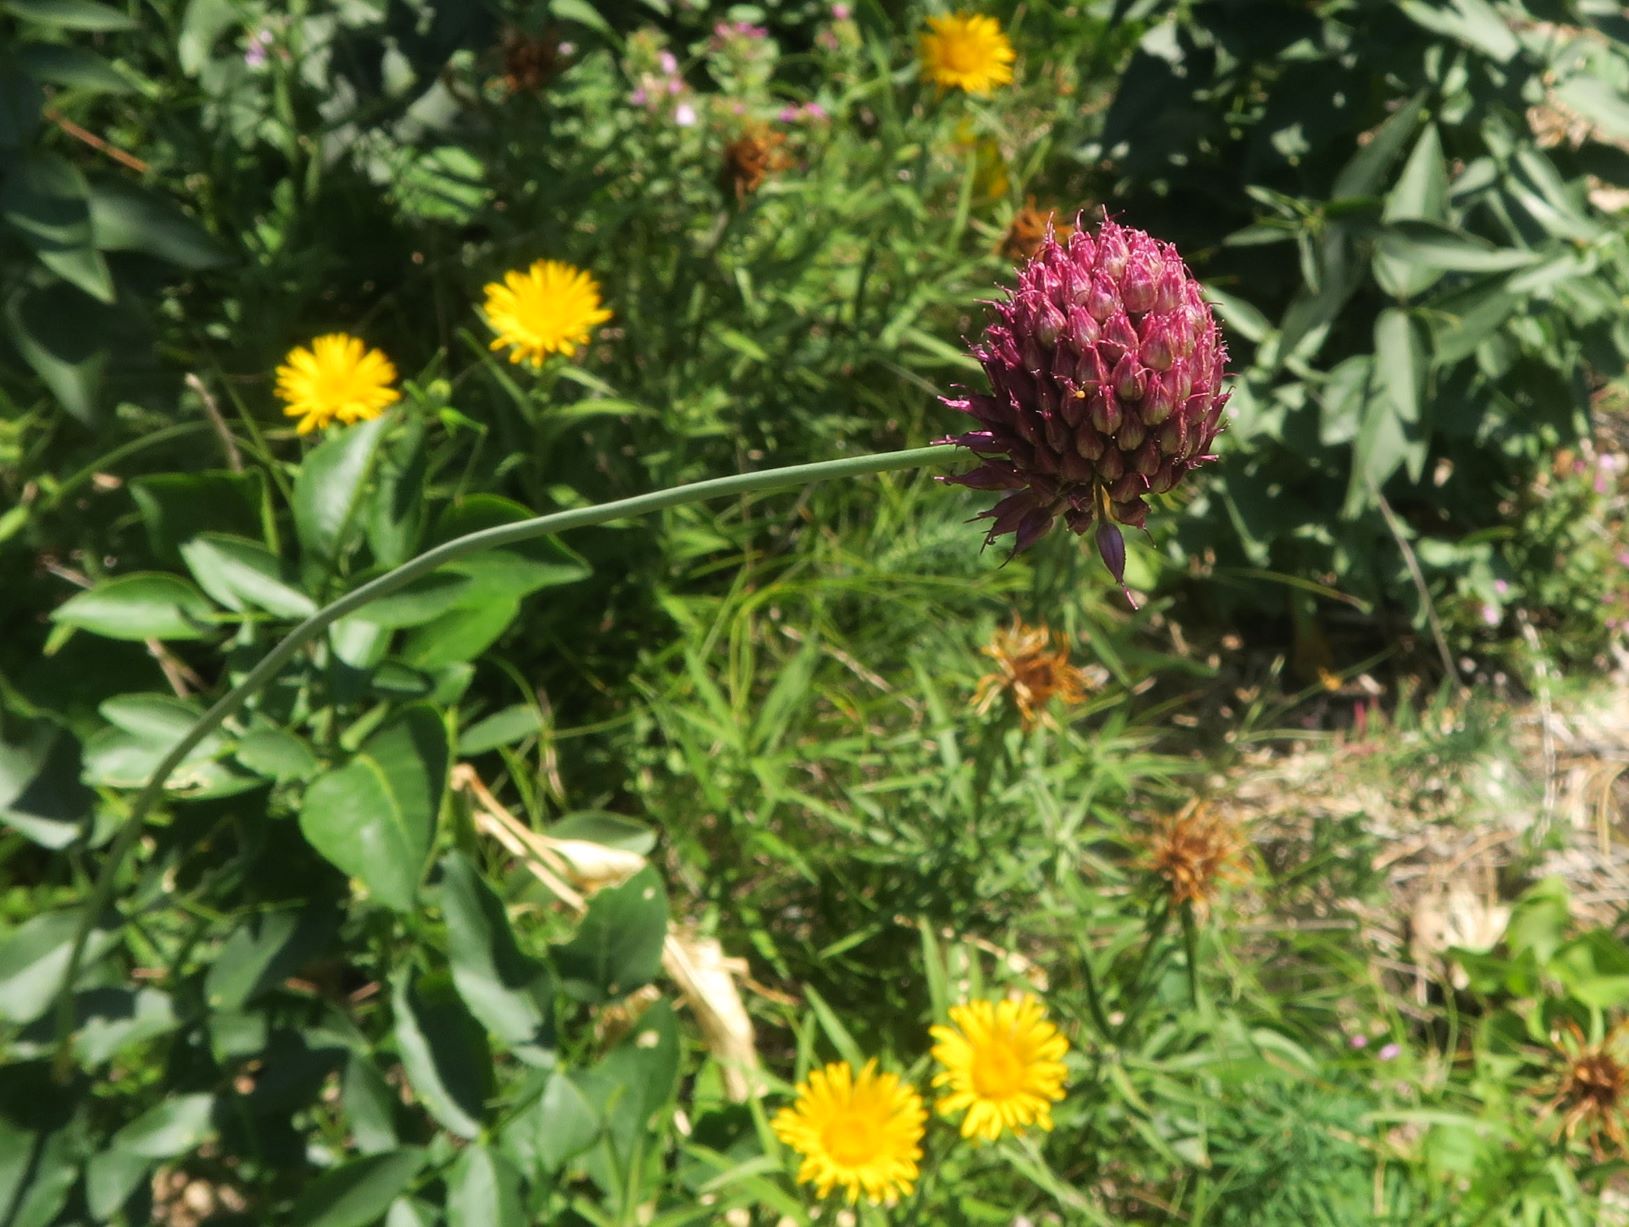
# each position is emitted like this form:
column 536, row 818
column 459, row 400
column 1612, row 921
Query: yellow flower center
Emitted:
column 336, row 379
column 549, row 308
column 997, row 1071
column 852, row 1139
column 963, row 54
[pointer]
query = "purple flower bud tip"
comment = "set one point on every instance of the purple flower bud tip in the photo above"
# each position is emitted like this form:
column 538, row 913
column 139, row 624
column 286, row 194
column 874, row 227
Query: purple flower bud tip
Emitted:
column 1111, row 546
column 1105, row 368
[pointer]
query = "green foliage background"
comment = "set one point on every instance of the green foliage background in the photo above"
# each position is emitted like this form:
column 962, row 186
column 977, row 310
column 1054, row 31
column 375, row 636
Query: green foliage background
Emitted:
column 323, row 994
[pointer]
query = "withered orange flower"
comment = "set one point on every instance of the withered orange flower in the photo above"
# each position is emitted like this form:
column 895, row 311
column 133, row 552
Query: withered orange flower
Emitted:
column 1028, row 231
column 1031, row 671
column 1588, row 1088
column 1196, row 850
column 529, row 61
column 750, row 159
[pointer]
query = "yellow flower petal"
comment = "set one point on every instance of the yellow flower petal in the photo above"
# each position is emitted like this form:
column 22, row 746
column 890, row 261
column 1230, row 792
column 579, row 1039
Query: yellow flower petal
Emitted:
column 546, row 309
column 967, row 51
column 1003, row 1066
column 861, row 1133
column 337, row 378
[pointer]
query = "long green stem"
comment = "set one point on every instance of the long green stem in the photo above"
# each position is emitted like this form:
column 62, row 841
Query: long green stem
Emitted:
column 488, row 538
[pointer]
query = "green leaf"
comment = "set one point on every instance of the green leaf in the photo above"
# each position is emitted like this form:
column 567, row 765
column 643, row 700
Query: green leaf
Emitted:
column 443, row 1052
column 243, row 574
column 74, row 67
column 1421, row 192
column 145, row 605
column 374, row 817
column 21, row 101
column 47, row 201
column 834, row 1030
column 511, row 995
column 174, row 1127
column 511, row 571
column 1442, row 248
column 460, row 634
column 421, row 601
column 329, row 489
column 1238, row 315
column 1476, row 23
column 42, row 1143
column 107, row 1021
column 276, row 754
column 145, row 729
column 562, row 1125
column 357, row 1193
column 646, row 1063
column 1594, row 969
column 127, row 217
column 1362, row 175
column 1391, row 435
column 176, row 507
column 396, row 513
column 1539, row 920
column 33, row 958
column 618, row 944
column 70, row 14
column 264, row 951
column 1461, row 321
column 412, row 1212
column 371, row 1105
column 602, row 827
column 58, row 330
column 41, row 796
column 583, row 13
column 162, row 719
column 483, row 1190
column 502, row 728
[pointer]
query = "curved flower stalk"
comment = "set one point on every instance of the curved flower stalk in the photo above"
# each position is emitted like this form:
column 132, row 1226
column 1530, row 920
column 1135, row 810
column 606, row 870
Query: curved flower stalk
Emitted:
column 489, row 538
column 1105, row 369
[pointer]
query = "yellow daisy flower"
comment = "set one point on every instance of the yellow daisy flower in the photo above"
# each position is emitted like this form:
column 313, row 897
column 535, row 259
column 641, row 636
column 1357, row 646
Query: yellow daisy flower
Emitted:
column 967, row 51
column 545, row 309
column 1003, row 1064
column 338, row 378
column 862, row 1133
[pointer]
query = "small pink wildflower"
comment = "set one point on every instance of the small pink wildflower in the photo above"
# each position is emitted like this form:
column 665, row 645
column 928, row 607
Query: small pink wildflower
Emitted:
column 254, row 55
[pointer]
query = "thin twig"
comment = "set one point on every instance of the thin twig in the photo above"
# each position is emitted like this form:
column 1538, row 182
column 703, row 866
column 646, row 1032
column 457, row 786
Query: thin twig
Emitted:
column 96, row 142
column 234, row 460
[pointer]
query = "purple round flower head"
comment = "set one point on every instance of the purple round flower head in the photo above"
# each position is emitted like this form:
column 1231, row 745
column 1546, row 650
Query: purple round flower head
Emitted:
column 1105, row 369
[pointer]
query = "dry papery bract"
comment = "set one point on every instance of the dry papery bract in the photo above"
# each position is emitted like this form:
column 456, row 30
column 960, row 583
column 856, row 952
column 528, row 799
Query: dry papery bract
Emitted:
column 707, row 980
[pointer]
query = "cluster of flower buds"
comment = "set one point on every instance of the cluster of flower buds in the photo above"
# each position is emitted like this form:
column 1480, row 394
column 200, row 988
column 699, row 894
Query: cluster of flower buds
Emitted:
column 1105, row 370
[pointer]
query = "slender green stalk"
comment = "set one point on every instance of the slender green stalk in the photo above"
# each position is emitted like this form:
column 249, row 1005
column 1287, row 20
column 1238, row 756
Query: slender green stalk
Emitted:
column 1154, row 931
column 488, row 538
column 1190, row 942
